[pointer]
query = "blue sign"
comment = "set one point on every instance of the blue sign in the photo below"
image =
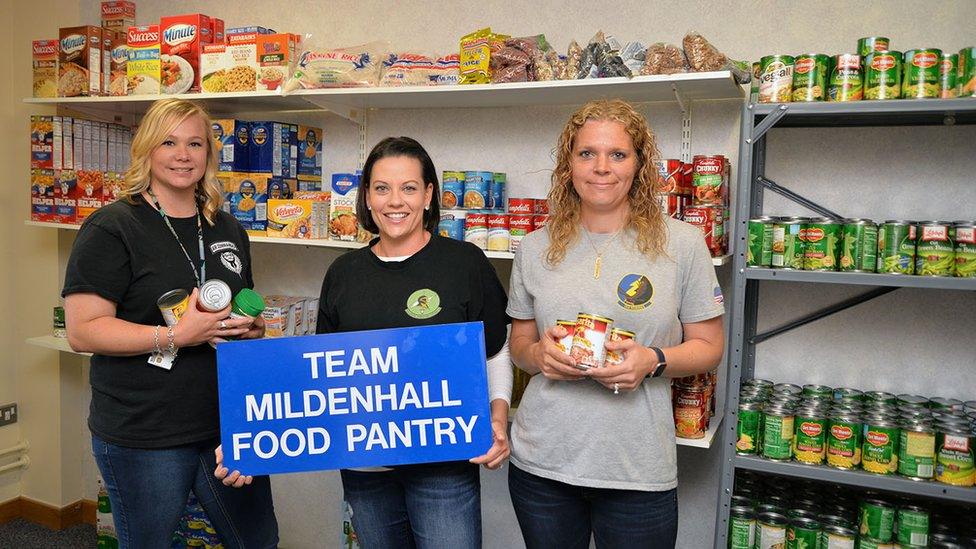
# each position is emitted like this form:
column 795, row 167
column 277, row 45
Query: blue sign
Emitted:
column 354, row 399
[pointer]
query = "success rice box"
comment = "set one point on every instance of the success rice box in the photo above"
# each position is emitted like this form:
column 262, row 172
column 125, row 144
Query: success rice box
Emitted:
column 143, row 68
column 45, row 64
column 118, row 16
column 182, row 38
column 233, row 144
column 80, row 61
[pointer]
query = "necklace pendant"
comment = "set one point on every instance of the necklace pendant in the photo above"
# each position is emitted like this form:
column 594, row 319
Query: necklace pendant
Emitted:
column 596, row 268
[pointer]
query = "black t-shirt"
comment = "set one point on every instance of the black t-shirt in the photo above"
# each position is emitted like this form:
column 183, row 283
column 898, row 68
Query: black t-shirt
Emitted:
column 125, row 253
column 446, row 281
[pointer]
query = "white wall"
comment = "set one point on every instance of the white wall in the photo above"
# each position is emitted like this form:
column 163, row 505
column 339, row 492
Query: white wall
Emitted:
column 823, row 165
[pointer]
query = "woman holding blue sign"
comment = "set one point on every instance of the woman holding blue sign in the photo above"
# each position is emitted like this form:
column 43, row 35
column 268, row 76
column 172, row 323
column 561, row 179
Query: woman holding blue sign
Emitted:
column 154, row 417
column 593, row 449
column 411, row 276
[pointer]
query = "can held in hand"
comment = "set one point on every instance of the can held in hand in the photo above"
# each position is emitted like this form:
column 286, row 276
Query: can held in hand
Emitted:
column 776, row 78
column 589, row 340
column 566, row 343
column 215, row 295
column 173, row 304
column 616, row 334
column 920, row 79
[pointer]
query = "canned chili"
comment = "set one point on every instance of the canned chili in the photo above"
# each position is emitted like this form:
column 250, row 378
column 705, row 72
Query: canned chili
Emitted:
column 589, row 340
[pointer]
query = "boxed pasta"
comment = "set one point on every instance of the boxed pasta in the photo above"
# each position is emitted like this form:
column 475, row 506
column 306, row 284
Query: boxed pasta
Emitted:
column 230, row 67
column 182, row 38
column 308, row 183
column 118, row 16
column 233, row 142
column 311, row 314
column 42, row 195
column 80, row 61
column 144, row 66
column 246, row 198
column 276, row 56
column 42, row 142
column 281, row 187
column 45, row 63
column 270, row 148
column 293, row 151
column 309, row 151
column 115, row 59
column 89, row 193
column 343, row 223
column 66, row 196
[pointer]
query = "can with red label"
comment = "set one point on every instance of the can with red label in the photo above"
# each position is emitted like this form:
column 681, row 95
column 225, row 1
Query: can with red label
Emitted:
column 476, row 229
column 711, row 221
column 589, row 340
column 671, row 204
column 541, row 206
column 498, row 235
column 691, row 415
column 709, row 180
column 521, row 205
column 518, row 227
column 671, row 173
column 539, row 221
column 566, row 343
column 687, row 179
column 616, row 334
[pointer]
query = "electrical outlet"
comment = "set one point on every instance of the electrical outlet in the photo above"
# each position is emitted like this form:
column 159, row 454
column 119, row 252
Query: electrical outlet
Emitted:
column 8, row 414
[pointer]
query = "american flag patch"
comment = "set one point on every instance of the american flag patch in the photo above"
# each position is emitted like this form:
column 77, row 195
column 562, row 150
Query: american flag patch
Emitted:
column 718, row 295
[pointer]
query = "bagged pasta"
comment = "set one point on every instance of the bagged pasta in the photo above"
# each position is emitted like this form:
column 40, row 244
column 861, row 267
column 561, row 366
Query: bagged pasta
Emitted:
column 664, row 58
column 357, row 66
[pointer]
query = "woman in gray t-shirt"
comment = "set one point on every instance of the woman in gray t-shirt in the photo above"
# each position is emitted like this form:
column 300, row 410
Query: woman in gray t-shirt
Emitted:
column 593, row 451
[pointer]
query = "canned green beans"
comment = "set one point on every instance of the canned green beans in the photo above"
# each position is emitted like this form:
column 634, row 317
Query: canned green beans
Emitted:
column 821, row 243
column 913, row 526
column 882, row 75
column 870, row 44
column 966, row 72
column 803, row 533
column 846, row 79
column 920, row 79
column 896, row 247
column 879, row 452
column 787, row 252
column 776, row 78
column 935, row 253
column 760, row 250
column 742, row 527
column 965, row 251
column 916, row 450
column 748, row 428
column 810, row 77
column 948, row 73
column 877, row 520
column 777, row 434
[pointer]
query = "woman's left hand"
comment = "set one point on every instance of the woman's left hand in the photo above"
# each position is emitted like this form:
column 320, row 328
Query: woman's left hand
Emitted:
column 499, row 450
column 235, row 478
column 629, row 374
column 255, row 331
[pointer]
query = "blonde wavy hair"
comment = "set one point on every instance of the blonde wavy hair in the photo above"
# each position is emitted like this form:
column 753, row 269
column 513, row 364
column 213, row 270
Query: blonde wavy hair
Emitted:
column 161, row 119
column 645, row 216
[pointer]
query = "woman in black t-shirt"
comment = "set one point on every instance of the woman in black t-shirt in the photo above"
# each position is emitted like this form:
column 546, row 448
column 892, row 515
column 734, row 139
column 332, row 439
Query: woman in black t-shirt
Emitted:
column 154, row 416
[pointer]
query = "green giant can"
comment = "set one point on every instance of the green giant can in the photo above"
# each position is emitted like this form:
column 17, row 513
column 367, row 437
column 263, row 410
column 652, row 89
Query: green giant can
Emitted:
column 872, row 44
column 935, row 251
column 859, row 246
column 877, row 520
column 913, row 526
column 896, row 247
column 966, row 72
column 821, row 243
column 920, row 79
column 879, row 451
column 810, row 77
column 776, row 78
column 948, row 75
column 846, row 78
column 882, row 75
column 787, row 245
column 965, row 249
column 760, row 251
column 742, row 527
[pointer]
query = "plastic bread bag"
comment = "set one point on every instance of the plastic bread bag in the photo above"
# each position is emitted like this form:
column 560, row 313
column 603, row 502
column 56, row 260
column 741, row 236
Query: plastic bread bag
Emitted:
column 356, row 66
column 634, row 55
column 662, row 58
column 407, row 69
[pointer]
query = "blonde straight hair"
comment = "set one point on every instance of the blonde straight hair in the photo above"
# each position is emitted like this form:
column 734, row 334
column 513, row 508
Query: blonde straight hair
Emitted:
column 161, row 119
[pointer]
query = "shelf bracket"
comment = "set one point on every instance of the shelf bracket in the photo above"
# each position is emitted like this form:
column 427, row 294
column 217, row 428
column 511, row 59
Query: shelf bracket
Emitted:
column 805, row 202
column 685, row 124
column 817, row 315
column 767, row 123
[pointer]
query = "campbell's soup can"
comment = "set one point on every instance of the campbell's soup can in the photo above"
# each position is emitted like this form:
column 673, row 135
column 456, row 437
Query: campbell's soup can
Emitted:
column 518, row 227
column 451, row 224
column 709, row 180
column 711, row 222
column 215, row 295
column 477, row 187
column 590, row 339
column 671, row 204
column 521, row 206
column 566, row 343
column 452, row 190
column 541, row 206
column 476, row 229
column 616, row 334
column 173, row 304
column 539, row 221
column 671, row 173
column 498, row 236
column 691, row 414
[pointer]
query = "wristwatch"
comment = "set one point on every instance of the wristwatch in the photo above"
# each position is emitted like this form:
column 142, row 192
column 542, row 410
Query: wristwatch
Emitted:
column 662, row 363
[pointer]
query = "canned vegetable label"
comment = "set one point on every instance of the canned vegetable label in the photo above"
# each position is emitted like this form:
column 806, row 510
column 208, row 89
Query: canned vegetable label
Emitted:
column 948, row 72
column 837, row 537
column 935, row 253
column 871, row 44
column 916, row 453
column 787, row 252
column 844, row 442
column 882, row 75
column 845, row 78
column 809, row 442
column 913, row 526
column 879, row 453
column 877, row 520
column 776, row 78
column 954, row 457
column 760, row 250
column 859, row 247
column 777, row 434
column 616, row 334
column 770, row 536
column 821, row 245
column 747, row 428
column 965, row 250
column 966, row 72
column 810, row 77
column 896, row 248
column 742, row 528
column 803, row 533
column 921, row 74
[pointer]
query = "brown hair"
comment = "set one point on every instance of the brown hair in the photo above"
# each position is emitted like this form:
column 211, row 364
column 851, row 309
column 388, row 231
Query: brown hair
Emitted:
column 645, row 216
column 410, row 148
column 161, row 119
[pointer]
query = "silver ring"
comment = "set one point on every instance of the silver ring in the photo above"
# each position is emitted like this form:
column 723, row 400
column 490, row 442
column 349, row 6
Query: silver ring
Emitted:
column 222, row 325
column 616, row 388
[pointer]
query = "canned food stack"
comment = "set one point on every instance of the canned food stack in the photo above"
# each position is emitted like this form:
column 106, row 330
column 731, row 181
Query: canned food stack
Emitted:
column 770, row 511
column 707, row 207
column 693, row 402
column 924, row 248
column 875, row 72
column 912, row 436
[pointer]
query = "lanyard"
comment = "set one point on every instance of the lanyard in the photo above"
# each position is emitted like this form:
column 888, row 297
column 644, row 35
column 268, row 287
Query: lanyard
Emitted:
column 203, row 262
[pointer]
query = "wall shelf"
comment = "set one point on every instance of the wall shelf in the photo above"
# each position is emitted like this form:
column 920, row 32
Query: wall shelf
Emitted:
column 705, row 442
column 893, row 112
column 863, row 279
column 56, row 343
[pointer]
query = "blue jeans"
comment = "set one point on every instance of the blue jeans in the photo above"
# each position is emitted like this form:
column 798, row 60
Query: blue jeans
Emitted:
column 557, row 515
column 425, row 506
column 148, row 489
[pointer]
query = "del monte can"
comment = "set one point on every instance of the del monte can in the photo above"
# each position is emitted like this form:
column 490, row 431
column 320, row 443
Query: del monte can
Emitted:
column 810, row 77
column 821, row 244
column 870, row 44
column 882, row 75
column 921, row 74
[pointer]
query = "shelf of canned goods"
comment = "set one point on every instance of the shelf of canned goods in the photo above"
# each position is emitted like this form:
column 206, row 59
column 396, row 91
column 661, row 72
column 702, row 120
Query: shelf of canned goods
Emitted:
column 942, row 262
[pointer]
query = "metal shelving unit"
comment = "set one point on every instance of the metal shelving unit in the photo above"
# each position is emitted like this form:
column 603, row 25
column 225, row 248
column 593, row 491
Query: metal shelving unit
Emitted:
column 756, row 121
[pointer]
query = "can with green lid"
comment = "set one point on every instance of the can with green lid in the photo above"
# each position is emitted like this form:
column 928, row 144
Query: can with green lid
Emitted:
column 760, row 250
column 870, row 44
column 810, row 77
column 879, row 452
column 882, row 75
column 920, row 79
column 859, row 246
column 912, row 526
column 948, row 73
column 742, row 527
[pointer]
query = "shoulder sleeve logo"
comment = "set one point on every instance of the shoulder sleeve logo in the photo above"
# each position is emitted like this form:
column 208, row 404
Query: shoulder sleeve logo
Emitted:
column 635, row 292
column 423, row 304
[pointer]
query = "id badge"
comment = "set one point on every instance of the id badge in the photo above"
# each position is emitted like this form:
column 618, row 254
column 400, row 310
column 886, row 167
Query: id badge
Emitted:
column 161, row 360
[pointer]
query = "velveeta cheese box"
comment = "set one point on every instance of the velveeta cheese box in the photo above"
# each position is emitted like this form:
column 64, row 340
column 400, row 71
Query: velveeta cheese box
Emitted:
column 45, row 63
column 80, row 61
column 290, row 218
column 246, row 198
column 343, row 223
column 143, row 68
column 118, row 16
column 181, row 42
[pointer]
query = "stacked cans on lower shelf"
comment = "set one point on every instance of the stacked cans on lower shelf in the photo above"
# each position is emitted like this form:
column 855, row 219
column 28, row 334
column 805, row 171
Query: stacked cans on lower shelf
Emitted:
column 774, row 512
column 693, row 402
column 925, row 248
column 908, row 435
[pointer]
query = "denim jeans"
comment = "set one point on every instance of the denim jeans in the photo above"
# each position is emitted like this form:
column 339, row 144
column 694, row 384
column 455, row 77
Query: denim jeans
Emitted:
column 425, row 506
column 148, row 489
column 555, row 515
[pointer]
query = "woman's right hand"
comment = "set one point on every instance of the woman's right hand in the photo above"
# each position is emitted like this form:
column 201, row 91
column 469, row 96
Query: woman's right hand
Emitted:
column 552, row 362
column 197, row 327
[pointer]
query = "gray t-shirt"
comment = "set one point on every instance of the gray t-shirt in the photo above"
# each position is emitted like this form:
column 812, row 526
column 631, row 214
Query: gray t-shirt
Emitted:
column 578, row 432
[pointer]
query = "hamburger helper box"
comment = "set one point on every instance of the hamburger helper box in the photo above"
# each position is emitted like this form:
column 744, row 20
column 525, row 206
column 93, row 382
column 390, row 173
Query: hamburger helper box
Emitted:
column 80, row 61
column 143, row 67
column 181, row 41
